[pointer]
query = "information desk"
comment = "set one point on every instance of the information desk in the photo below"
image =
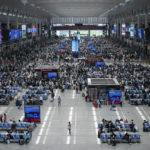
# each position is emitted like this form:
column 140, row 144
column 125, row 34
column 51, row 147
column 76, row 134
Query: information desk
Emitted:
column 48, row 71
column 98, row 88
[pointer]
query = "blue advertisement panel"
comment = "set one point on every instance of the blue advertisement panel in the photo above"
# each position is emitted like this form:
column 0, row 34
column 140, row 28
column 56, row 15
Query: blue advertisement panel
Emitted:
column 75, row 46
column 141, row 33
column 123, row 29
column 132, row 30
column 115, row 28
column 78, row 36
column 32, row 113
column 15, row 34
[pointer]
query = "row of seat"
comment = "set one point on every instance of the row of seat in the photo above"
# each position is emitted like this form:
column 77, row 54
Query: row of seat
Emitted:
column 37, row 92
column 10, row 92
column 139, row 101
column 13, row 88
column 20, row 138
column 38, row 96
column 120, row 138
column 19, row 126
column 33, row 102
column 119, row 127
column 38, row 88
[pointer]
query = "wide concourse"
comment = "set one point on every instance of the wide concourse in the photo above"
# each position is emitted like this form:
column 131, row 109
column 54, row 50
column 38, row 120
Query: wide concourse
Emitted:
column 74, row 74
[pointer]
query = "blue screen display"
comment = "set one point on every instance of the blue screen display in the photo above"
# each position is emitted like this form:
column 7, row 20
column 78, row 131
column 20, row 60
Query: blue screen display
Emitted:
column 115, row 28
column 100, row 64
column 32, row 112
column 78, row 36
column 29, row 109
column 115, row 93
column 52, row 75
column 75, row 46
column 15, row 34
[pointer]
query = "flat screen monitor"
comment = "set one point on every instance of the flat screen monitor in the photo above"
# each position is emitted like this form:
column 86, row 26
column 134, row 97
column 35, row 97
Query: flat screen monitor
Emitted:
column 52, row 75
column 100, row 64
column 115, row 93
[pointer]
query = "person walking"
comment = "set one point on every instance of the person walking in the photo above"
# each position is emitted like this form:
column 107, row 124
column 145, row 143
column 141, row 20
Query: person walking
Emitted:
column 5, row 117
column 59, row 101
column 112, row 105
column 52, row 96
column 69, row 127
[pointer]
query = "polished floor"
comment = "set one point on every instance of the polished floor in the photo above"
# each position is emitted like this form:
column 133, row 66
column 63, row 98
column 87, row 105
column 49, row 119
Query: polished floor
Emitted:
column 52, row 132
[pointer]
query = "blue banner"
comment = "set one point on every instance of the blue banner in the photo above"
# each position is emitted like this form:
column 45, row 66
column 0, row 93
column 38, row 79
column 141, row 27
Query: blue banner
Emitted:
column 75, row 46
column 78, row 36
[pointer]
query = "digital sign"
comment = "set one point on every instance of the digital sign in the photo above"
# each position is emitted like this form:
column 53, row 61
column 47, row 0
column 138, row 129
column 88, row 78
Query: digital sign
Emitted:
column 33, row 30
column 132, row 30
column 123, row 29
column 52, row 75
column 115, row 29
column 75, row 46
column 24, row 31
column 32, row 113
column 14, row 34
column 141, row 33
column 78, row 36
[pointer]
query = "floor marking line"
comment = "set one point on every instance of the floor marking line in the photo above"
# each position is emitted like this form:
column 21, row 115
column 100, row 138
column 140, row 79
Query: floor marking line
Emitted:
column 73, row 95
column 75, row 127
column 140, row 113
column 42, row 128
column 117, row 113
column 49, row 125
column 146, row 114
column 95, row 125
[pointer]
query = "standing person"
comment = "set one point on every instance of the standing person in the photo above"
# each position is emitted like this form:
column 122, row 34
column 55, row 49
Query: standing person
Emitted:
column 1, row 118
column 59, row 101
column 112, row 105
column 5, row 117
column 52, row 95
column 69, row 127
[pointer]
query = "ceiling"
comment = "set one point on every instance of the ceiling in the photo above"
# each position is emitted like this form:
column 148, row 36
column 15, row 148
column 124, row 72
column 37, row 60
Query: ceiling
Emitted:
column 76, row 8
column 21, row 6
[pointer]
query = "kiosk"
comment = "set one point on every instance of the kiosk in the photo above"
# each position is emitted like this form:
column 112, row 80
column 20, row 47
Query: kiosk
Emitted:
column 48, row 71
column 98, row 88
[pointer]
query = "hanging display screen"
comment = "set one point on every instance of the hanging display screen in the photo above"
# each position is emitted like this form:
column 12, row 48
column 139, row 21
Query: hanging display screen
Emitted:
column 24, row 28
column 33, row 30
column 123, row 29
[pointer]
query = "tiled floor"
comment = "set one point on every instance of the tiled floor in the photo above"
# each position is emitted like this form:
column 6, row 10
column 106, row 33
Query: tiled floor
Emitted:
column 52, row 132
